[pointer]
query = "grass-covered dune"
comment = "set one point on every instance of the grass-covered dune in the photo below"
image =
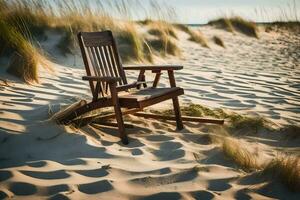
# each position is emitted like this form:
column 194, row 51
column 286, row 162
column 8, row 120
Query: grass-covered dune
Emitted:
column 25, row 23
column 233, row 24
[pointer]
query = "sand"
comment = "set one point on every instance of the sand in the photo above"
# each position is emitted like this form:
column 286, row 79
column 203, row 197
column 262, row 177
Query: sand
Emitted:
column 42, row 160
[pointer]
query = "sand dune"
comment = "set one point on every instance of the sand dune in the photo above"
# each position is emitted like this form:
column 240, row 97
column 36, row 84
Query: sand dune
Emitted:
column 42, row 160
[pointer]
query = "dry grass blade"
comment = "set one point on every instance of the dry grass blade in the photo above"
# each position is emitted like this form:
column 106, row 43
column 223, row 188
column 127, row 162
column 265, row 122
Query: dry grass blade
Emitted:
column 233, row 24
column 219, row 41
column 238, row 154
column 287, row 169
column 25, row 61
column 198, row 37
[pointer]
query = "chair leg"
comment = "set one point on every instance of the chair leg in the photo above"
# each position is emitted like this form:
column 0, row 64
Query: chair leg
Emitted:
column 121, row 125
column 179, row 123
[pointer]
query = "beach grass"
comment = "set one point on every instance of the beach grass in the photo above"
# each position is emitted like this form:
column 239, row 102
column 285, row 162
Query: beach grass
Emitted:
column 218, row 41
column 165, row 36
column 195, row 35
column 23, row 26
column 234, row 151
column 236, row 23
column 164, row 45
column 160, row 28
column 25, row 61
column 131, row 42
column 287, row 169
column 198, row 37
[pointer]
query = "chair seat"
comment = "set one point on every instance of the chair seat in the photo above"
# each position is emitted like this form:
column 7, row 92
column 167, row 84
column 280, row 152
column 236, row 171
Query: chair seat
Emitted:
column 148, row 96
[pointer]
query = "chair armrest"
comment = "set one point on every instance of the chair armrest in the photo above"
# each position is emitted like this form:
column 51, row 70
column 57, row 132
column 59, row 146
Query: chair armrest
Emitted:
column 152, row 67
column 107, row 79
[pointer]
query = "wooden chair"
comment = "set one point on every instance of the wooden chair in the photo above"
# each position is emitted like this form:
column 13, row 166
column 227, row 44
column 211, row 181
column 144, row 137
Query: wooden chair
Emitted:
column 109, row 87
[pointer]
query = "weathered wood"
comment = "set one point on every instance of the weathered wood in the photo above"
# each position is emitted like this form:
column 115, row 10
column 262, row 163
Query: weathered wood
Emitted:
column 156, row 80
column 109, row 116
column 128, row 86
column 176, row 106
column 104, row 69
column 101, row 79
column 152, row 67
column 100, row 103
column 117, row 108
column 141, row 78
column 112, row 124
column 184, row 118
column 61, row 115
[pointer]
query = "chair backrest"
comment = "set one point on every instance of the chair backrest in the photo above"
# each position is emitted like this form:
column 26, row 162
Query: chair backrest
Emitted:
column 100, row 56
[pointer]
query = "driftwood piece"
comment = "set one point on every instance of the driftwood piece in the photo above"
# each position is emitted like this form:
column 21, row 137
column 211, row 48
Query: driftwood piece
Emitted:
column 184, row 118
column 61, row 115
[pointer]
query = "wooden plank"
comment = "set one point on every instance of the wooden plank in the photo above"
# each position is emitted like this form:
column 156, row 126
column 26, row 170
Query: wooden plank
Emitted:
column 153, row 67
column 175, row 102
column 109, row 116
column 161, row 98
column 141, row 78
column 156, row 80
column 118, row 112
column 184, row 118
column 112, row 124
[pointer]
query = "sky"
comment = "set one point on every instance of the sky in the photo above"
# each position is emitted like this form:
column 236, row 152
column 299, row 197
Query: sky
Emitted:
column 201, row 11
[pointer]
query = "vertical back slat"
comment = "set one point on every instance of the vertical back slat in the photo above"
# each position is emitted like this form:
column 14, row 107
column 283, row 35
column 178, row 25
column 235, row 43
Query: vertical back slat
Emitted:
column 111, row 70
column 100, row 61
column 118, row 61
column 101, row 58
column 110, row 64
column 105, row 65
column 97, row 66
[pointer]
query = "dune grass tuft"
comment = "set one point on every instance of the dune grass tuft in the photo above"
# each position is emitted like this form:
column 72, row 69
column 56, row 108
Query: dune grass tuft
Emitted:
column 219, row 41
column 25, row 62
column 165, row 36
column 233, row 24
column 223, row 23
column 164, row 45
column 195, row 35
column 293, row 26
column 131, row 43
column 182, row 27
column 198, row 37
column 160, row 28
column 244, row 26
column 286, row 169
column 239, row 155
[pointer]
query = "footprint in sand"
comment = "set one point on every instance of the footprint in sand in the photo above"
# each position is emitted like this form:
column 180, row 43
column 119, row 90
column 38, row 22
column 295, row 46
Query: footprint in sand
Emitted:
column 59, row 174
column 5, row 175
column 159, row 138
column 163, row 196
column 136, row 152
column 202, row 194
column 219, row 185
column 52, row 190
column 59, row 197
column 75, row 161
column 37, row 164
column 96, row 187
column 101, row 172
column 21, row 188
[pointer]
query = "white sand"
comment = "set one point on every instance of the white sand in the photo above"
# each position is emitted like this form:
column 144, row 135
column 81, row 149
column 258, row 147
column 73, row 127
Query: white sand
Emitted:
column 41, row 160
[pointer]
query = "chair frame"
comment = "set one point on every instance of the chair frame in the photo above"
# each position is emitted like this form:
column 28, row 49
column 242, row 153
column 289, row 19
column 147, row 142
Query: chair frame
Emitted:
column 100, row 84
